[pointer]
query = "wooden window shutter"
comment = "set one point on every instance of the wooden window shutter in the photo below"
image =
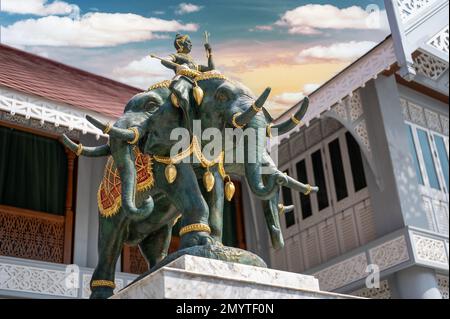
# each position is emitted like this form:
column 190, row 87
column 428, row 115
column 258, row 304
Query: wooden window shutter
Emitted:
column 311, row 250
column 293, row 255
column 365, row 221
column 329, row 246
column 347, row 230
column 441, row 213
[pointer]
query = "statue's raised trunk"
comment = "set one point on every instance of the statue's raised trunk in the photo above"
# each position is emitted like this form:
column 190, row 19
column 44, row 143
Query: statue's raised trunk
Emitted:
column 255, row 157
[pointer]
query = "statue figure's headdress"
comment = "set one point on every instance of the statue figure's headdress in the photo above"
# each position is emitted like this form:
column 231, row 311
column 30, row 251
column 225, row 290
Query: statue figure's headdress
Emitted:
column 179, row 40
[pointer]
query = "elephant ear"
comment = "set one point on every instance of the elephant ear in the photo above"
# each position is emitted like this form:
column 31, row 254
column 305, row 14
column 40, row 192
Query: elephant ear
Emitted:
column 181, row 88
column 267, row 115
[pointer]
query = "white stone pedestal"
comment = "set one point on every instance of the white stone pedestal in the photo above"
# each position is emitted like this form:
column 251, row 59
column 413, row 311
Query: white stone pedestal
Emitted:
column 190, row 277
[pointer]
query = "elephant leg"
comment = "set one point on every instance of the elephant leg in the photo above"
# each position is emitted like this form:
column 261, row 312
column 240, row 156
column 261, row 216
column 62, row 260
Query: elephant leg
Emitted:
column 186, row 195
column 112, row 233
column 155, row 246
column 215, row 200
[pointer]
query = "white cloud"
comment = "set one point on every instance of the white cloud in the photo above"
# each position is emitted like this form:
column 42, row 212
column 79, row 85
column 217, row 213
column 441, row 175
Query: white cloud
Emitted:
column 310, row 87
column 142, row 73
column 288, row 98
column 345, row 51
column 264, row 27
column 311, row 18
column 184, row 8
column 39, row 7
column 91, row 30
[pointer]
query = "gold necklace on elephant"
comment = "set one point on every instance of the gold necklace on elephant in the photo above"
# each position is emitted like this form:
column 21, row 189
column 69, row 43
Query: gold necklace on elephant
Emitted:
column 208, row 178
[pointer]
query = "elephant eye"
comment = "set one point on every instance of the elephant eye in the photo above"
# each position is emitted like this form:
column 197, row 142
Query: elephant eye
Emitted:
column 151, row 106
column 221, row 97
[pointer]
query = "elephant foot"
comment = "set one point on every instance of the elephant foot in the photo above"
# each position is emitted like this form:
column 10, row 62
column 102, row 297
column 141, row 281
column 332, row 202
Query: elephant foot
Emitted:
column 101, row 293
column 196, row 239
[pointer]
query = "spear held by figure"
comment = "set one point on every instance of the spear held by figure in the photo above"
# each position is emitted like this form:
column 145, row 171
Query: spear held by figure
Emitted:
column 173, row 64
column 207, row 46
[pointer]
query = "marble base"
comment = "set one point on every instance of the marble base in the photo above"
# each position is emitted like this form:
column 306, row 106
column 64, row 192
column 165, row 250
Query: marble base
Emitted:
column 191, row 277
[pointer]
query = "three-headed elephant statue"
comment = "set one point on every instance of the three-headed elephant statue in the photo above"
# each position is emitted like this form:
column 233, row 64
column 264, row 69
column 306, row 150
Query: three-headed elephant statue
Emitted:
column 146, row 187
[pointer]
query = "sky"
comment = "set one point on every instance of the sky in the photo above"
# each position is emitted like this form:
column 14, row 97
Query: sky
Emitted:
column 291, row 46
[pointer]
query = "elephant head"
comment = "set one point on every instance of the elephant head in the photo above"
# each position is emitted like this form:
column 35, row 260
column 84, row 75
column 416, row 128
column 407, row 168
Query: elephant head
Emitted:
column 130, row 130
column 229, row 104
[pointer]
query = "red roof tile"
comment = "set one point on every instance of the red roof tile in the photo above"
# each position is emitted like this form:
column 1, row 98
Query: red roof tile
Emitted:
column 58, row 82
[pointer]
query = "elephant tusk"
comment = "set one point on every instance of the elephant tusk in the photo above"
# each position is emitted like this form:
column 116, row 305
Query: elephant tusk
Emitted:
column 130, row 135
column 295, row 119
column 300, row 187
column 103, row 150
column 240, row 120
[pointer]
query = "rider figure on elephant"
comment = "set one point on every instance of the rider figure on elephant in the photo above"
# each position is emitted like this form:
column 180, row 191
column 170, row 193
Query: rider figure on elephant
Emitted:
column 186, row 71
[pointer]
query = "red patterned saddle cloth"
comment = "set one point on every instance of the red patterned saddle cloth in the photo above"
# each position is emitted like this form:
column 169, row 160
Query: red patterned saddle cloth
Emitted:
column 108, row 195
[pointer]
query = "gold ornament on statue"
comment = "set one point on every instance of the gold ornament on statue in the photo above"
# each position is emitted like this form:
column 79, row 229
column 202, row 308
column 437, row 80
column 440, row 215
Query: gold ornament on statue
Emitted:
column 208, row 180
column 171, row 173
column 174, row 100
column 198, row 94
column 229, row 188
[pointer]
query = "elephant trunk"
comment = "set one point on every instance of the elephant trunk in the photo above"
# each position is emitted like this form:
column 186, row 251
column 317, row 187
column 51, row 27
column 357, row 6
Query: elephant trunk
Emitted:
column 265, row 184
column 124, row 159
column 271, row 214
column 255, row 158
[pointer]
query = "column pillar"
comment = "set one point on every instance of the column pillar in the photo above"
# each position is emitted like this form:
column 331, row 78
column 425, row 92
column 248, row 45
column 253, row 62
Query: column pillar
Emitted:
column 395, row 193
column 68, row 221
column 416, row 283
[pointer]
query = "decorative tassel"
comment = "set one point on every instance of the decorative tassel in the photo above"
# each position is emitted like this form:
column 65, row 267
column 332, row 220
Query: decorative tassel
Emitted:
column 171, row 173
column 198, row 94
column 208, row 180
column 174, row 100
column 229, row 189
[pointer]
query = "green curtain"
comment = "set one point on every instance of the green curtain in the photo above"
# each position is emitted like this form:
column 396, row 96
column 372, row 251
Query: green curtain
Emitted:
column 33, row 172
column 229, row 224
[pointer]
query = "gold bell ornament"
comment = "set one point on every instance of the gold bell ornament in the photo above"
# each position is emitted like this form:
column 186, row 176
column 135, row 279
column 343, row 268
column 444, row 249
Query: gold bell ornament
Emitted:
column 208, row 180
column 229, row 188
column 198, row 93
column 171, row 173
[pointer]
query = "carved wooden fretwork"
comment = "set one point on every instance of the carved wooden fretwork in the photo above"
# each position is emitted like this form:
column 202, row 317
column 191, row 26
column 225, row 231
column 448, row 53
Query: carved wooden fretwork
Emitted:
column 41, row 279
column 410, row 8
column 429, row 66
column 390, row 253
column 383, row 292
column 443, row 285
column 430, row 250
column 440, row 40
column 424, row 117
column 133, row 262
column 33, row 235
column 342, row 273
column 34, row 109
